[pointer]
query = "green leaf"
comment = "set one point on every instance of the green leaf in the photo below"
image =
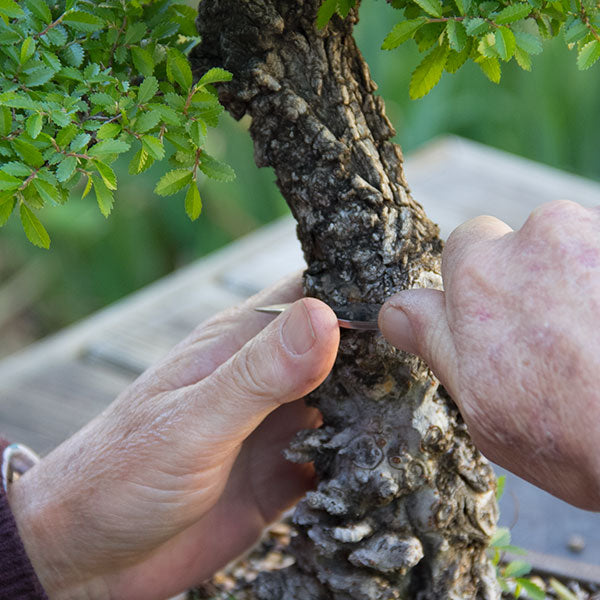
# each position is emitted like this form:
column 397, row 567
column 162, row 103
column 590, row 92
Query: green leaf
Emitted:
column 140, row 162
column 476, row 26
column 533, row 591
column 47, row 191
column 575, row 32
column 33, row 125
column 429, row 72
column 505, row 43
column 40, row 9
column 104, row 196
column 66, row 169
column 38, row 76
column 173, row 181
column 523, row 59
column 107, row 148
column 108, row 131
column 27, row 50
column 197, row 133
column 432, row 7
column 83, row 21
column 34, row 230
column 107, row 174
column 5, row 120
column 80, row 142
column 102, row 99
column 18, row 169
column 563, row 592
column 500, row 538
column 193, row 202
column 11, row 9
column 216, row 169
column 516, row 568
column 588, row 55
column 491, row 68
column 153, row 146
column 7, row 205
column 65, row 135
column 73, row 55
column 527, row 42
column 500, row 485
column 457, row 59
column 215, row 75
column 9, row 182
column 178, row 69
column 325, row 12
column 28, row 152
column 512, row 13
column 401, row 32
column 457, row 35
column 344, row 7
column 146, row 121
column 148, row 89
column 142, row 60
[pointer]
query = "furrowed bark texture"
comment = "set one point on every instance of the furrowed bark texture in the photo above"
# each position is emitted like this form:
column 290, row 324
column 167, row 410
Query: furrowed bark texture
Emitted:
column 405, row 505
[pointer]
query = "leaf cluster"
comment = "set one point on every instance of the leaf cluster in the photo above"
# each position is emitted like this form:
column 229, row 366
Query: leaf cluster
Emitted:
column 82, row 83
column 488, row 32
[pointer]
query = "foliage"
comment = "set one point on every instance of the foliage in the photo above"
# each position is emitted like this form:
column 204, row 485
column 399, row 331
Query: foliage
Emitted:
column 488, row 32
column 82, row 83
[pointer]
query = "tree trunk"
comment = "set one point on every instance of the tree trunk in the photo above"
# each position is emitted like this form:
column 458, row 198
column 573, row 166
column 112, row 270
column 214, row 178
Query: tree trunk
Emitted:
column 405, row 506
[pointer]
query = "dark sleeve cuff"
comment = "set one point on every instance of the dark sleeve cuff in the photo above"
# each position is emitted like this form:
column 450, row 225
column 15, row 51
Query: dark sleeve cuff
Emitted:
column 18, row 580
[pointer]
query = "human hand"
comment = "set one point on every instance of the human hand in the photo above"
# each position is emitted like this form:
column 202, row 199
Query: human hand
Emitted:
column 182, row 472
column 514, row 338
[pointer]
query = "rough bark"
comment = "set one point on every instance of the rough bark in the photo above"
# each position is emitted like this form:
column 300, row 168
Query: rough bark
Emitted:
column 405, row 505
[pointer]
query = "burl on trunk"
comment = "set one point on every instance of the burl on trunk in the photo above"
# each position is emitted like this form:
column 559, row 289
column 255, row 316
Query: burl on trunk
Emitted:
column 405, row 505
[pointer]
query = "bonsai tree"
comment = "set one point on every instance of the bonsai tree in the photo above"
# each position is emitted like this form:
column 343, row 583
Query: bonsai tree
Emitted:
column 405, row 505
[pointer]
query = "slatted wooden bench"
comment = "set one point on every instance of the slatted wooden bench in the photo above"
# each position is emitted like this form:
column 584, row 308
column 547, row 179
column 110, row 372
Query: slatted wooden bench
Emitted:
column 52, row 388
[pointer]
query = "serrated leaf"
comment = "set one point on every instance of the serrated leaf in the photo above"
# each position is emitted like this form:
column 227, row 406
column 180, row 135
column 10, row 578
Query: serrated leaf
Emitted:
column 197, row 133
column 107, row 148
column 193, row 202
column 27, row 50
column 457, row 59
column 153, row 146
column 167, row 114
column 66, row 169
column 5, row 120
column 40, row 9
column 139, row 162
column 38, row 76
column 500, row 538
column 7, row 205
column 33, row 125
column 215, row 75
column 476, row 26
column 83, row 21
column 563, row 592
column 505, row 43
column 107, row 174
column 28, row 152
column 588, row 55
column 108, row 131
column 575, row 32
column 432, row 7
column 64, row 136
column 87, row 188
column 457, row 35
column 523, row 59
column 11, row 9
column 173, row 181
column 17, row 169
column 142, row 60
column 534, row 592
column 146, row 121
column 104, row 196
column 491, row 68
column 344, row 7
column 79, row 142
column 216, row 169
column 527, row 42
column 9, row 182
column 178, row 69
column 401, row 32
column 325, row 12
column 428, row 72
column 516, row 568
column 102, row 99
column 135, row 32
column 47, row 191
column 148, row 89
column 34, row 230
column 512, row 13
column 56, row 36
column 73, row 55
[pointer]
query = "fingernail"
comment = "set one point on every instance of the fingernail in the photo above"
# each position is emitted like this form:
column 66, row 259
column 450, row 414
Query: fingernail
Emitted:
column 297, row 332
column 396, row 327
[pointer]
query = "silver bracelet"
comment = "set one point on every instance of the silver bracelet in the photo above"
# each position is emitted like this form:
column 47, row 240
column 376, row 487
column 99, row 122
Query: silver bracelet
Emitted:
column 16, row 459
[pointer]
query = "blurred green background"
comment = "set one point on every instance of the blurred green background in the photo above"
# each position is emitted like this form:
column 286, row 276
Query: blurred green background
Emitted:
column 550, row 115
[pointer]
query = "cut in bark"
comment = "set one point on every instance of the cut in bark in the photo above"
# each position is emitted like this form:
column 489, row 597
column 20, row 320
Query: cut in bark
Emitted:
column 405, row 505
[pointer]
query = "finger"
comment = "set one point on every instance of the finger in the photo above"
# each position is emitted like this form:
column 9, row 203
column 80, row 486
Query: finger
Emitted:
column 415, row 321
column 285, row 361
column 218, row 338
column 465, row 238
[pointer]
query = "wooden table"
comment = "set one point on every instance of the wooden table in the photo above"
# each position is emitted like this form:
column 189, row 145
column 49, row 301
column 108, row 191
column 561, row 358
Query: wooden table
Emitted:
column 51, row 389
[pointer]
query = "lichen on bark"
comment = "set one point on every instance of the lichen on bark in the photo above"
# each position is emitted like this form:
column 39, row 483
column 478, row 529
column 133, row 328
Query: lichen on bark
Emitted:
column 405, row 504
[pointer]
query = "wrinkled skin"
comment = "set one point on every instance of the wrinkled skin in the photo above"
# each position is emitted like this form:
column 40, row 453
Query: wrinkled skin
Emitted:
column 514, row 339
column 183, row 471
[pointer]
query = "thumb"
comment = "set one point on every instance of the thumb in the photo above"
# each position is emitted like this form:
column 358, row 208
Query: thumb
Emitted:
column 288, row 359
column 415, row 321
